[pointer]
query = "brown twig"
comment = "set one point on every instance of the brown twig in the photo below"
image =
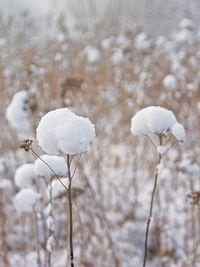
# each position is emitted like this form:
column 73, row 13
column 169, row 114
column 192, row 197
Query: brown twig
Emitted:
column 70, row 213
column 151, row 206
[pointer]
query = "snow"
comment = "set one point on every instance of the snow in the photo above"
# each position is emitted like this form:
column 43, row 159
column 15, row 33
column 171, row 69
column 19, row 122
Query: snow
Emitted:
column 16, row 112
column 162, row 149
column 50, row 244
column 117, row 56
column 170, row 82
column 25, row 200
column 74, row 136
column 58, row 188
column 57, row 163
column 24, row 175
column 186, row 24
column 153, row 119
column 6, row 184
column 62, row 130
column 92, row 53
column 178, row 131
column 50, row 223
column 142, row 42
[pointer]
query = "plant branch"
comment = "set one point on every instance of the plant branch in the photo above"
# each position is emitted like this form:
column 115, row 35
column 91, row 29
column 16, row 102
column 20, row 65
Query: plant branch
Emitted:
column 151, row 206
column 148, row 138
column 76, row 165
column 70, row 213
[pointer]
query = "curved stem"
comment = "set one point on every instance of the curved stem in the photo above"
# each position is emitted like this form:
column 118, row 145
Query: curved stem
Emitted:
column 70, row 214
column 151, row 207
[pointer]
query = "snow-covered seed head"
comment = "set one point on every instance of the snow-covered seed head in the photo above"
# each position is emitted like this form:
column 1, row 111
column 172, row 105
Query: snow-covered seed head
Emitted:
column 194, row 197
column 155, row 119
column 62, row 130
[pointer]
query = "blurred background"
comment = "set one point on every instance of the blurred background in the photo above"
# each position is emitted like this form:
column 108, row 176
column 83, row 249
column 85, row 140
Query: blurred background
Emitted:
column 104, row 60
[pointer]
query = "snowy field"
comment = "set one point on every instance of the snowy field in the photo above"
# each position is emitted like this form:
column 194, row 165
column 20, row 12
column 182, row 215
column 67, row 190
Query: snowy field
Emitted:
column 99, row 134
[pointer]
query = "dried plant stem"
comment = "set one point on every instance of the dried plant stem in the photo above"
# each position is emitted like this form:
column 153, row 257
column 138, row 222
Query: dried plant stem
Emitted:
column 151, row 206
column 50, row 232
column 102, row 219
column 70, row 213
column 4, row 249
column 37, row 242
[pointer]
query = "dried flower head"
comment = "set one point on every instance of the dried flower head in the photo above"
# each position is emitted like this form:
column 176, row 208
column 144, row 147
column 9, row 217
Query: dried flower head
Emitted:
column 194, row 197
column 26, row 144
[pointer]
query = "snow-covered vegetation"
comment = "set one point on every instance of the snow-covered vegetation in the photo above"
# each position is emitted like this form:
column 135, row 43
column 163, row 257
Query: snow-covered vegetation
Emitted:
column 142, row 95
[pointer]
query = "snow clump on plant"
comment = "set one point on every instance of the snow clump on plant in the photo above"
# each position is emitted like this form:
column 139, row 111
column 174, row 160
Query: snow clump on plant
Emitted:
column 62, row 130
column 57, row 164
column 155, row 119
column 24, row 175
column 25, row 200
column 16, row 112
column 170, row 82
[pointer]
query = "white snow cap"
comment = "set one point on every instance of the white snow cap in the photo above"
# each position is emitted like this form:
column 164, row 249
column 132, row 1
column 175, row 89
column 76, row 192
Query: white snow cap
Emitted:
column 178, row 131
column 62, row 130
column 155, row 119
column 55, row 162
column 25, row 200
column 170, row 82
column 24, row 175
column 16, row 112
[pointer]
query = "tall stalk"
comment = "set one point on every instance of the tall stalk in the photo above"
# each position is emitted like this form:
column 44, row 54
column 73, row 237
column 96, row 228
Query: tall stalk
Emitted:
column 151, row 204
column 70, row 213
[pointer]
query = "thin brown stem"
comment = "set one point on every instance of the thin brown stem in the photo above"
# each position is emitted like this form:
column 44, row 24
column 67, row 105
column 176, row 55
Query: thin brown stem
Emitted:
column 76, row 165
column 150, row 140
column 70, row 213
column 151, row 206
column 170, row 147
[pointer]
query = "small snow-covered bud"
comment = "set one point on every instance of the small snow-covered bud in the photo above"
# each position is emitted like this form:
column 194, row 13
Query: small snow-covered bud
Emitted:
column 170, row 82
column 179, row 132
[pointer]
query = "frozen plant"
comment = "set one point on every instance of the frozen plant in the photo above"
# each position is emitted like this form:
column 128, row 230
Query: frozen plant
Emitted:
column 63, row 131
column 161, row 122
column 41, row 169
